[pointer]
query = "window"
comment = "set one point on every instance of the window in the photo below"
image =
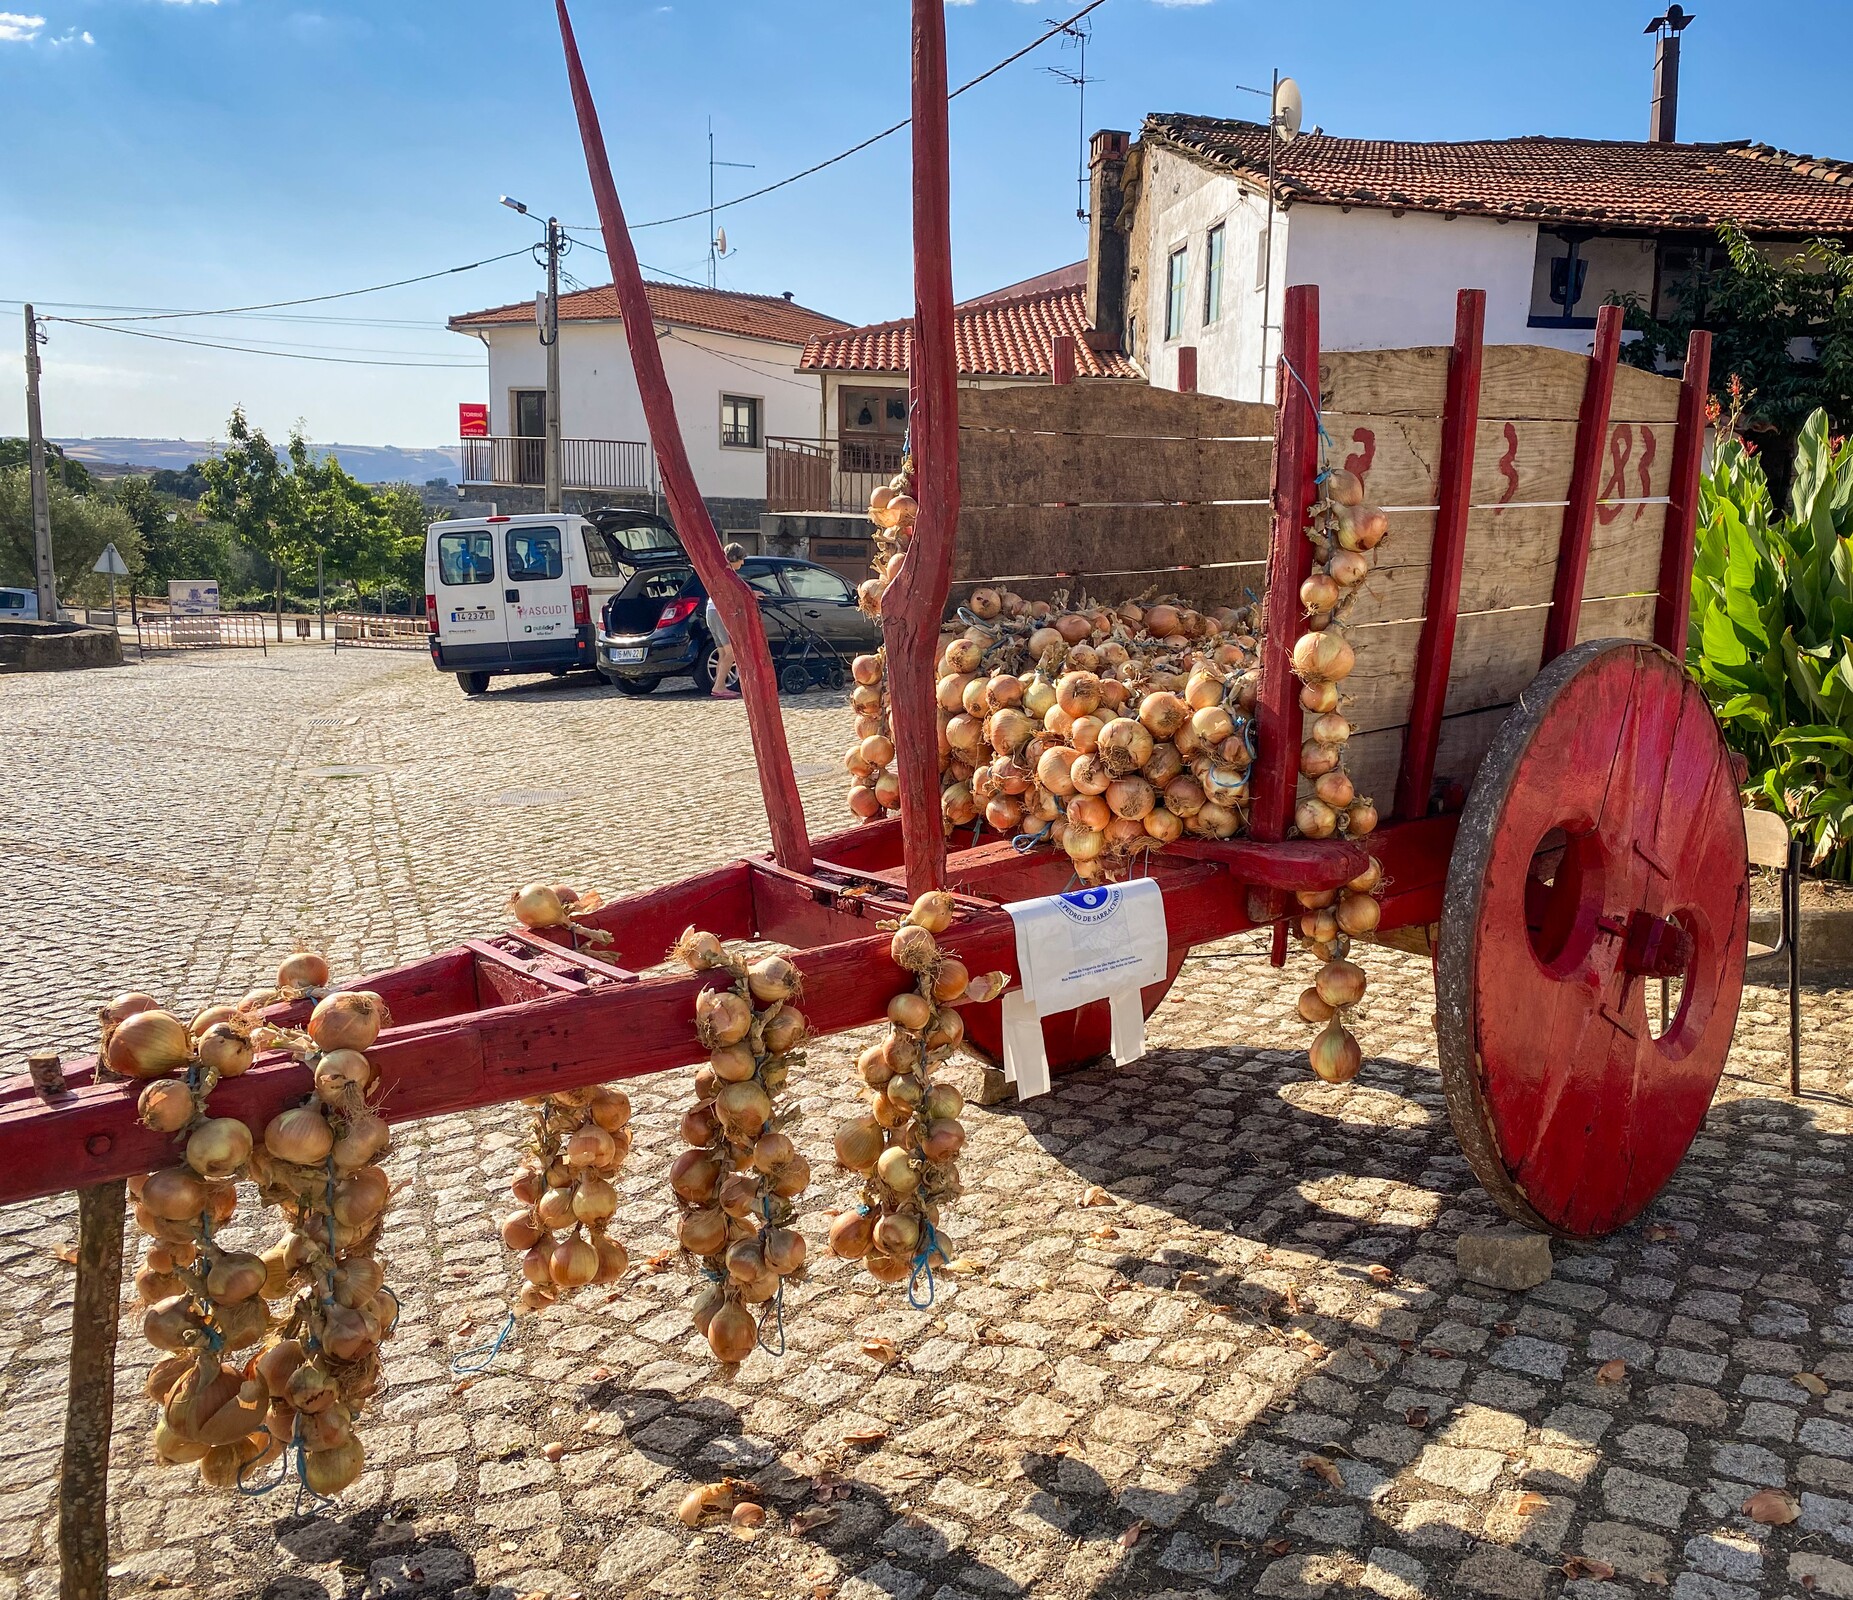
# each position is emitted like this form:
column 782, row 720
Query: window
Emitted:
column 1212, row 276
column 813, row 583
column 1176, row 272
column 760, row 576
column 740, row 422
column 598, row 560
column 533, row 554
column 466, row 558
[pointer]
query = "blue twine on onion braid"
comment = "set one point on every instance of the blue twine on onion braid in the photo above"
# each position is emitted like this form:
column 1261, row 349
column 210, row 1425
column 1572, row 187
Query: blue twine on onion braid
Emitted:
column 923, row 1263
column 478, row 1357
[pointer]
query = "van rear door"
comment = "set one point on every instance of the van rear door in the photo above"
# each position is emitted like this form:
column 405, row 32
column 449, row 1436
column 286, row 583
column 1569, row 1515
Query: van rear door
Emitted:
column 472, row 630
column 538, row 592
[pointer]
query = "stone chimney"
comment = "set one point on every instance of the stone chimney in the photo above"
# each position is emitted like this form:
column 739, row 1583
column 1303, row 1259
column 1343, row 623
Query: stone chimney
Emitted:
column 1106, row 243
column 1663, row 123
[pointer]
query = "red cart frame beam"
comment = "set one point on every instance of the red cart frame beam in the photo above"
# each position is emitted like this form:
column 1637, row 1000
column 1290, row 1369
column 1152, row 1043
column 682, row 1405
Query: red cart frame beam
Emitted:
column 732, row 599
column 1677, row 546
column 1579, row 516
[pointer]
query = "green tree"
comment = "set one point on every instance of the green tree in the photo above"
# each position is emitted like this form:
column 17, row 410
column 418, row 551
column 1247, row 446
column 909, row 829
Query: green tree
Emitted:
column 250, row 488
column 176, row 542
column 59, row 468
column 1760, row 313
column 81, row 525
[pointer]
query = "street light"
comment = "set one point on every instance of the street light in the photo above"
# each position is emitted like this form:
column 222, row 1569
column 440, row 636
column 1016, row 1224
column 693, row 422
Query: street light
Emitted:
column 513, row 204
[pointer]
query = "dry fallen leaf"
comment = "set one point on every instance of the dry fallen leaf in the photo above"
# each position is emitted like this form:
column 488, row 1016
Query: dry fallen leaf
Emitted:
column 1811, row 1383
column 1134, row 1534
column 1659, row 1230
column 865, row 1436
column 1505, row 1330
column 459, row 1388
column 1416, row 1417
column 963, row 1267
column 658, row 1262
column 812, row 1517
column 1530, row 1503
column 553, row 1450
column 1774, row 1508
column 1322, row 1467
column 1586, row 1567
column 1106, row 1233
column 883, row 1350
column 1612, row 1371
column 1381, row 1274
column 68, row 1255
column 1277, row 1547
column 599, row 1374
column 1293, row 1301
column 1094, row 1195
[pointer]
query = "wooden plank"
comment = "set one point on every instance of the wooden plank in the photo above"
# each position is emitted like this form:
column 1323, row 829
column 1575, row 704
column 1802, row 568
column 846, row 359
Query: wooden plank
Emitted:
column 1435, row 652
column 1682, row 512
column 1000, row 542
column 1374, row 759
column 1112, row 407
column 90, row 1393
column 1521, row 381
column 1013, row 467
column 1495, row 656
column 1233, row 585
column 1579, row 516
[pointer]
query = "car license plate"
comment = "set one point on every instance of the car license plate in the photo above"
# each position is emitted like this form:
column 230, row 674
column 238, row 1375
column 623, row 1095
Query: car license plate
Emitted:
column 630, row 654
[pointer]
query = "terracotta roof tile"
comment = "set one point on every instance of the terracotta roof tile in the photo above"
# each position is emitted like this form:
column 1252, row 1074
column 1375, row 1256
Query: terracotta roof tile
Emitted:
column 1595, row 181
column 1008, row 337
column 754, row 316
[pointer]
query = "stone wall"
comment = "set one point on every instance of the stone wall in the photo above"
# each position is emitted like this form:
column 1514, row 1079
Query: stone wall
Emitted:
column 56, row 647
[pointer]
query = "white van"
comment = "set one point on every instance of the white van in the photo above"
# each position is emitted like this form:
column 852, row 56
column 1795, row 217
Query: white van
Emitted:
column 524, row 594
column 19, row 605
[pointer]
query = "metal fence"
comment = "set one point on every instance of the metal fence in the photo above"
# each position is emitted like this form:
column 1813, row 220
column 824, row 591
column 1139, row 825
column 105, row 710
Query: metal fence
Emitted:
column 355, row 630
column 584, row 463
column 219, row 631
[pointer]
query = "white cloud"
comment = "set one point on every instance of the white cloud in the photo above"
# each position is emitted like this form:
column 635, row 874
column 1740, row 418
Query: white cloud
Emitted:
column 961, row 2
column 72, row 36
column 192, row 2
column 18, row 28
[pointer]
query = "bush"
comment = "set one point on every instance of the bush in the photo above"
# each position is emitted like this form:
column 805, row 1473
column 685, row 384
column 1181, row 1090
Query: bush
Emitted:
column 1771, row 634
column 81, row 524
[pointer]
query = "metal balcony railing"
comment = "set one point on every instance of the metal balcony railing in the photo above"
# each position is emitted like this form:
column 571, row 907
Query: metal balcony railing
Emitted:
column 827, row 474
column 509, row 462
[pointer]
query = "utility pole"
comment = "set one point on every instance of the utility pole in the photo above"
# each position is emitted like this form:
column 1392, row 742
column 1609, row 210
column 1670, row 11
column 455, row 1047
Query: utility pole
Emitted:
column 41, row 495
column 550, row 337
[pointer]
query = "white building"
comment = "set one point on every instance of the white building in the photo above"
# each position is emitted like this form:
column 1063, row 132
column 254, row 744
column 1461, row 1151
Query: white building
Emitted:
column 1550, row 228
column 732, row 363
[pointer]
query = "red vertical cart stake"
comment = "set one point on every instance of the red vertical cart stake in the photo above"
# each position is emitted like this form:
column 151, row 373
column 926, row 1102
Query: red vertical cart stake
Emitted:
column 1682, row 505
column 1579, row 516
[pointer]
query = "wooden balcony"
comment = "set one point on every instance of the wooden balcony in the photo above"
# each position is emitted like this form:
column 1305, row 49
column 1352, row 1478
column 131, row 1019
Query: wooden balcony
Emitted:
column 827, row 474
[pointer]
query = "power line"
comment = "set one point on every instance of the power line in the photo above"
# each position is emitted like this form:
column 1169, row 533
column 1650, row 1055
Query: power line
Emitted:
column 280, row 355
column 857, row 149
column 333, row 322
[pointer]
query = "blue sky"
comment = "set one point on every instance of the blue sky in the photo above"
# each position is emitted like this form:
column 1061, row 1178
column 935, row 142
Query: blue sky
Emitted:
column 203, row 153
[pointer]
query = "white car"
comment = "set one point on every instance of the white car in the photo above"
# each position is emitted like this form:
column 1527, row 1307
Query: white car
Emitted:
column 19, row 605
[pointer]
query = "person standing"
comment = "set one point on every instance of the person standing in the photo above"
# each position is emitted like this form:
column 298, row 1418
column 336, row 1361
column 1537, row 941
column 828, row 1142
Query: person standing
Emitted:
column 724, row 663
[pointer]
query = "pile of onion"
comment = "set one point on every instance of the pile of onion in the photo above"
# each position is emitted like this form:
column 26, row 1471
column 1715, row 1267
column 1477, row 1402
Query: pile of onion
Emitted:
column 906, row 1144
column 739, row 1178
column 567, row 1193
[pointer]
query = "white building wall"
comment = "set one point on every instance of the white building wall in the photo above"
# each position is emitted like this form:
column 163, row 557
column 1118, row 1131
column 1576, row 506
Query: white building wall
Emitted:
column 599, row 398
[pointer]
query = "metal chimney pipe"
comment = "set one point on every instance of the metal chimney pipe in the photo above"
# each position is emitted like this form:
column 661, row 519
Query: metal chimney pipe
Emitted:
column 1663, row 121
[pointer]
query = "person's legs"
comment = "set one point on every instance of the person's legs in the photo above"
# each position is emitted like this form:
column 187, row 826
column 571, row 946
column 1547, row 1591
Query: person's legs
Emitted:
column 723, row 670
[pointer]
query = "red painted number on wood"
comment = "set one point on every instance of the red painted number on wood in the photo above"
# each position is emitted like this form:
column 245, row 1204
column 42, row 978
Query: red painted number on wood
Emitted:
column 1621, row 448
column 1359, row 463
column 1648, row 446
column 1507, row 463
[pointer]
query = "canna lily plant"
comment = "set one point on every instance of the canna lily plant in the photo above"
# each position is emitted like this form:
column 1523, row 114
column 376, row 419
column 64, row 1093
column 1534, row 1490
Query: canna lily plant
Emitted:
column 1771, row 632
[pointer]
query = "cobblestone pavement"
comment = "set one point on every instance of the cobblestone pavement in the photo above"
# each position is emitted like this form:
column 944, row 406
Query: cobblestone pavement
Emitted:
column 1247, row 1368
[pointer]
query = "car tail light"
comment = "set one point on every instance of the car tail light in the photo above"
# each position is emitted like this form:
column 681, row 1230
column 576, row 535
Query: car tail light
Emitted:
column 582, row 605
column 678, row 611
column 431, row 613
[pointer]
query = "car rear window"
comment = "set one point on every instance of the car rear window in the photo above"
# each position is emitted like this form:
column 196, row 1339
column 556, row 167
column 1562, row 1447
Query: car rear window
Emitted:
column 466, row 558
column 643, row 538
column 534, row 554
column 657, row 583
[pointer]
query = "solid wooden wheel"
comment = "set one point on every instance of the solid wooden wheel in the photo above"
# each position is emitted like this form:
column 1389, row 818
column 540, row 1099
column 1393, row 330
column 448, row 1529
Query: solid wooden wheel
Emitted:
column 1601, row 850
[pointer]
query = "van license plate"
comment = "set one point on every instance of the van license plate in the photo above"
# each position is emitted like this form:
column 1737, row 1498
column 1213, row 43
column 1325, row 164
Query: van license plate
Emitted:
column 630, row 654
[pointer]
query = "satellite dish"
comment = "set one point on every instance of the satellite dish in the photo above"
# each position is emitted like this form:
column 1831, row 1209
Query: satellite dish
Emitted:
column 1288, row 110
column 720, row 242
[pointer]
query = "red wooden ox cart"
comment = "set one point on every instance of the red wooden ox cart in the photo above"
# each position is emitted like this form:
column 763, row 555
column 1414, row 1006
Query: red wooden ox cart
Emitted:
column 1564, row 808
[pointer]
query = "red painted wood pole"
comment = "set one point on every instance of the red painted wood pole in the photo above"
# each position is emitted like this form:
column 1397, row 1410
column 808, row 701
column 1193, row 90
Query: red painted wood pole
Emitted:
column 1187, row 369
column 916, row 599
column 1682, row 508
column 1579, row 517
column 1061, row 359
column 734, row 601
column 1435, row 654
column 1290, row 559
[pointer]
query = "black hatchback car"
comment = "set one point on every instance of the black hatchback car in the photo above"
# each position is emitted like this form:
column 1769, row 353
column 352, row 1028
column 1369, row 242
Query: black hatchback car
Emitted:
column 655, row 626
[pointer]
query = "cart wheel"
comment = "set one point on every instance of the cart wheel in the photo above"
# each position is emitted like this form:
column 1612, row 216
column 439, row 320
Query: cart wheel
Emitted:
column 1602, row 848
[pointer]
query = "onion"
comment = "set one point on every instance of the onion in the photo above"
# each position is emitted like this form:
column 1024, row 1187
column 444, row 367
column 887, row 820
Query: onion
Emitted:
column 1043, row 640
column 174, row 1194
column 1164, row 765
column 722, row 1017
column 895, row 1167
column 1125, row 744
column 611, row 1108
column 862, row 802
column 328, row 1472
column 1367, row 527
column 1083, row 844
column 521, row 1230
column 694, row 1175
column 913, row 948
column 703, row 1232
column 300, row 1136
column 1163, row 714
column 1319, row 593
column 947, row 1028
column 1340, row 983
column 1163, row 825
column 348, row 1020
column 1004, row 690
column 1131, row 797
column 1330, row 728
column 910, row 1011
column 1212, row 724
column 933, row 911
column 613, row 1258
column 1315, row 819
column 950, row 980
column 1343, row 488
column 950, row 691
column 339, row 1071
column 1090, row 775
column 859, row 1143
column 1359, row 914
column 171, row 1324
column 1316, row 899
column 852, row 1234
column 303, row 970
column 772, row 978
column 1319, row 697
column 1317, row 759
column 1366, row 882
column 594, row 1200
column 366, row 1136
column 1162, row 621
column 1089, row 811
column 873, row 1067
column 732, row 1334
column 149, row 1044
column 784, row 1250
column 211, row 1015
column 537, row 905
column 866, row 669
column 1184, row 796
column 1335, row 1055
column 1004, row 813
column 1217, row 821
column 942, row 1140
column 888, row 1269
column 218, row 1147
column 556, row 1210
column 1083, row 658
column 166, row 1105
column 225, row 1049
column 1314, row 1009
column 1077, row 693
column 1325, row 657
column 1348, row 568
column 1334, row 788
column 125, row 1006
column 1360, row 818
column 1010, row 731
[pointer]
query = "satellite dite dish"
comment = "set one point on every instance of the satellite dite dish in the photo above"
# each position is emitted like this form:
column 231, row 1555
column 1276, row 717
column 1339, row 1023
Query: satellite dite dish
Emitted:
column 720, row 242
column 1288, row 110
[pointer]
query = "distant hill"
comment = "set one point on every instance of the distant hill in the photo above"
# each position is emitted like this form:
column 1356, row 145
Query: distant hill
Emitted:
column 371, row 463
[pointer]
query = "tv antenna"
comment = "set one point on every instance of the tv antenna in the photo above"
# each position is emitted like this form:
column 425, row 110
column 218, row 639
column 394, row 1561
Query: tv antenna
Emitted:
column 1286, row 111
column 1075, row 35
column 717, row 237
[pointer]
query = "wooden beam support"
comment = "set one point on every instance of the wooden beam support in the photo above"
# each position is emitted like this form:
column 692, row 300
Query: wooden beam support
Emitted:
column 1682, row 509
column 1579, row 517
column 90, row 1400
column 735, row 602
column 1187, row 369
column 1435, row 654
column 1061, row 360
column 916, row 599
